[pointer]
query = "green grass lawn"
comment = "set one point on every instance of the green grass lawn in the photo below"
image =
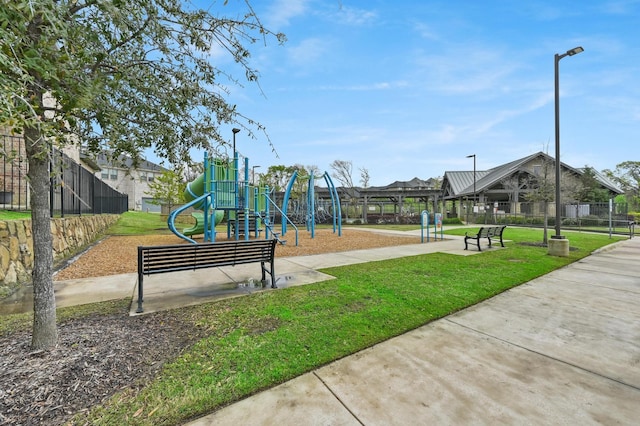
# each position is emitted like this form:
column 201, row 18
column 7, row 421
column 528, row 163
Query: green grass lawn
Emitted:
column 258, row 341
column 13, row 215
column 139, row 223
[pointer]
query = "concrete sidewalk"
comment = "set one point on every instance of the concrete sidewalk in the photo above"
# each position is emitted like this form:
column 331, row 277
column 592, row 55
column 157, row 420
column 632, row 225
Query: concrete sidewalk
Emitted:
column 561, row 349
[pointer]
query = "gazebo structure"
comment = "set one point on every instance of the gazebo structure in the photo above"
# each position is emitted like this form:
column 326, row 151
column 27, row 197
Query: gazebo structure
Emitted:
column 508, row 184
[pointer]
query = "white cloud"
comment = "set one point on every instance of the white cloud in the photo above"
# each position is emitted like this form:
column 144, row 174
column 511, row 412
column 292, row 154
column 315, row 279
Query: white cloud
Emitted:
column 384, row 85
column 281, row 12
column 465, row 71
column 619, row 7
column 425, row 31
column 357, row 17
column 308, row 51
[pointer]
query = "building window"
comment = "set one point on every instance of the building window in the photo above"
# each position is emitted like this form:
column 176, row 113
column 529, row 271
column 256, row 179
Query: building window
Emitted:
column 537, row 170
column 151, row 177
column 109, row 174
column 143, row 176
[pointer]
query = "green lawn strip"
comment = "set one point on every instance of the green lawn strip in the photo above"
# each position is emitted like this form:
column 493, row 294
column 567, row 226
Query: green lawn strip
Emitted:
column 261, row 340
column 139, row 223
column 14, row 215
column 143, row 223
column 534, row 234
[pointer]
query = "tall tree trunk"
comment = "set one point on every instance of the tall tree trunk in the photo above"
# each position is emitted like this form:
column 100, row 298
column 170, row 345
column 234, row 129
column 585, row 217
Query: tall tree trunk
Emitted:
column 45, row 332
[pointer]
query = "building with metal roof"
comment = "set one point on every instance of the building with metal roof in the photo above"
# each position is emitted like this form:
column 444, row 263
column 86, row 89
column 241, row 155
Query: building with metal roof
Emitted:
column 510, row 183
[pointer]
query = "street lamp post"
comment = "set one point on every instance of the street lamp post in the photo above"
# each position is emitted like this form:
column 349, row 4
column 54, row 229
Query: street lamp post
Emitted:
column 474, row 177
column 234, row 130
column 557, row 58
column 558, row 244
column 253, row 175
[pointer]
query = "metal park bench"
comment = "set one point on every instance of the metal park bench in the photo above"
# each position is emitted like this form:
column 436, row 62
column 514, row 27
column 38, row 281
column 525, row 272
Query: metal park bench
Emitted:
column 185, row 257
column 488, row 232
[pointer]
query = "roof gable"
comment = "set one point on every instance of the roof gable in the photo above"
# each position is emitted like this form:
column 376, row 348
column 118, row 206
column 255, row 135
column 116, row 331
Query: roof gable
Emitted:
column 461, row 183
column 126, row 162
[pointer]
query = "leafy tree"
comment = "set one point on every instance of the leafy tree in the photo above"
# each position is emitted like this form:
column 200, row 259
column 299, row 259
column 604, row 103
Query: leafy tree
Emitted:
column 591, row 190
column 437, row 182
column 122, row 75
column 168, row 189
column 277, row 177
column 627, row 175
column 300, row 186
column 542, row 189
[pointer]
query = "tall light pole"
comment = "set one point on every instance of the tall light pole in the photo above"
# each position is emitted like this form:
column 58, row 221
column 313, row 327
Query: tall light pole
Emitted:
column 571, row 52
column 474, row 177
column 253, row 175
column 234, row 130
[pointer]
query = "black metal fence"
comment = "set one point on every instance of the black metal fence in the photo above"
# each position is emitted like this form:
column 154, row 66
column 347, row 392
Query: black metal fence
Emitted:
column 74, row 189
column 597, row 217
column 13, row 173
column 589, row 214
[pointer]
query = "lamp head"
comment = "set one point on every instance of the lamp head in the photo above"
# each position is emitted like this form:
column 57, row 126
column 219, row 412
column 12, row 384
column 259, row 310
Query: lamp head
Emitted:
column 234, row 130
column 575, row 51
column 472, row 155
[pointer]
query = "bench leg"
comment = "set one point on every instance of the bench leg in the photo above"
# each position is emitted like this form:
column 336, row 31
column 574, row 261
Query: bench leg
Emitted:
column 472, row 238
column 140, row 299
column 271, row 274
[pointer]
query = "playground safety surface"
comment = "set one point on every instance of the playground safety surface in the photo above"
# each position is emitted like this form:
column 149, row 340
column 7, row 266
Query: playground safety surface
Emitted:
column 118, row 254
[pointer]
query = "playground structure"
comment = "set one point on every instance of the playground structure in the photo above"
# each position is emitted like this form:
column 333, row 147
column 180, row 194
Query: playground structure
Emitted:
column 249, row 209
column 310, row 210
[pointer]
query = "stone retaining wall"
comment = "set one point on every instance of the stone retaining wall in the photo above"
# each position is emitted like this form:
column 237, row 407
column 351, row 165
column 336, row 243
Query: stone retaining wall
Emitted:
column 16, row 245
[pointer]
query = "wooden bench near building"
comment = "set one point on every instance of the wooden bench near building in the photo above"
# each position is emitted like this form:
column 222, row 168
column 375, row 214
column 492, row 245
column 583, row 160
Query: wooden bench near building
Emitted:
column 488, row 232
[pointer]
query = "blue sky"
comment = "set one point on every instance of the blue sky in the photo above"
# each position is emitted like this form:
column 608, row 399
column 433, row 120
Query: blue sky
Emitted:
column 410, row 88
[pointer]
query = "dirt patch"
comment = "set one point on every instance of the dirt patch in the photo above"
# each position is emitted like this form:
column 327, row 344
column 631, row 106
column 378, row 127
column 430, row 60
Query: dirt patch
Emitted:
column 98, row 356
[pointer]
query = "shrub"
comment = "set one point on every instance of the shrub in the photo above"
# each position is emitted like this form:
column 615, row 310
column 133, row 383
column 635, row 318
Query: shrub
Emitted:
column 591, row 221
column 452, row 221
